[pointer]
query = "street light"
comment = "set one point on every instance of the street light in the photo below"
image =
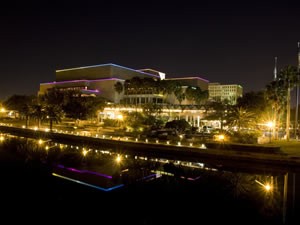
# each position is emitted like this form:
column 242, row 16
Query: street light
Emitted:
column 119, row 118
column 2, row 138
column 118, row 159
column 267, row 187
column 41, row 141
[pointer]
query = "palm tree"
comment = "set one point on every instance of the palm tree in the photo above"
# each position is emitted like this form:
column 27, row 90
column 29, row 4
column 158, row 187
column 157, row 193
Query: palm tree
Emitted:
column 190, row 93
column 167, row 87
column 27, row 111
column 219, row 111
column 38, row 113
column 179, row 94
column 54, row 114
column 136, row 85
column 241, row 118
column 133, row 86
column 289, row 77
column 276, row 96
column 52, row 103
column 149, row 86
column 119, row 87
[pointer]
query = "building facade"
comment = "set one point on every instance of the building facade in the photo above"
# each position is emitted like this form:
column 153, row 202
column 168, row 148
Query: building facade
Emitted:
column 94, row 80
column 230, row 92
column 100, row 80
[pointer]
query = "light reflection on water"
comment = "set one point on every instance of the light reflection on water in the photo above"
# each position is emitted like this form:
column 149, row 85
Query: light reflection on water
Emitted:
column 109, row 170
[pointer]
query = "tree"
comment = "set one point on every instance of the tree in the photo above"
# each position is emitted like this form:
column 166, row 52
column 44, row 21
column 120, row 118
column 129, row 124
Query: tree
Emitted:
column 22, row 104
column 151, row 109
column 167, row 87
column 74, row 109
column 241, row 118
column 27, row 111
column 81, row 108
column 92, row 105
column 118, row 87
column 54, row 113
column 52, row 103
column 53, row 97
column 289, row 77
column 179, row 125
column 133, row 87
column 179, row 94
column 38, row 113
column 134, row 120
column 219, row 111
column 196, row 95
column 150, row 86
column 275, row 94
column 253, row 101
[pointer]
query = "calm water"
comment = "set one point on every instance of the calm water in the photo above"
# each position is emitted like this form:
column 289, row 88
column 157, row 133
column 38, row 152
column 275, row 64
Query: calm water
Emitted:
column 138, row 189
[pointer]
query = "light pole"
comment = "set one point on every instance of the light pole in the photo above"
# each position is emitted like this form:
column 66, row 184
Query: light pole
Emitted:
column 297, row 92
column 270, row 124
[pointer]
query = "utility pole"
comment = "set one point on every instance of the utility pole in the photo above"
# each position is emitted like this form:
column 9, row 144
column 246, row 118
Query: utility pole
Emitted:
column 274, row 116
column 297, row 93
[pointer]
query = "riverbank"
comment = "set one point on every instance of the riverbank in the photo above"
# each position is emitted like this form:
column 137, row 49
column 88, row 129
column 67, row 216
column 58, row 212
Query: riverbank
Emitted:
column 291, row 147
column 28, row 184
column 281, row 154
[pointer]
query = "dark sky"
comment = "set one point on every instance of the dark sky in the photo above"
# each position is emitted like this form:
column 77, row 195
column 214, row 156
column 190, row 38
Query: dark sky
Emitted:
column 226, row 42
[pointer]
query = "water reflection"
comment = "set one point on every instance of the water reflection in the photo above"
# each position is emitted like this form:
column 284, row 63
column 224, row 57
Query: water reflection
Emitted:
column 265, row 196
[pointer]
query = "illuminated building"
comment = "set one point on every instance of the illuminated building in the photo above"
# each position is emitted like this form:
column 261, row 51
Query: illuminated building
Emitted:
column 100, row 80
column 94, row 80
column 230, row 92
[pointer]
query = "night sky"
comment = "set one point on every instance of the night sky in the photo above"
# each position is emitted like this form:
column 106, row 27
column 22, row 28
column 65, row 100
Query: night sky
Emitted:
column 230, row 42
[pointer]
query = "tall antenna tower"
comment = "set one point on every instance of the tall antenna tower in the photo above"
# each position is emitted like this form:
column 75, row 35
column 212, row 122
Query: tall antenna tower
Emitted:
column 275, row 69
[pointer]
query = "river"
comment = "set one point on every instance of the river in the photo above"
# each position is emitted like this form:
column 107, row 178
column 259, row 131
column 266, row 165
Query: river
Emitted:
column 143, row 189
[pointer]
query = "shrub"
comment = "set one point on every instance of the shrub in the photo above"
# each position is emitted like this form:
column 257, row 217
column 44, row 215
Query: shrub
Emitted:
column 248, row 137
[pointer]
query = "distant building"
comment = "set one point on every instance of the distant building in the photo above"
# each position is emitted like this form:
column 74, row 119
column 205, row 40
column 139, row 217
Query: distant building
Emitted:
column 230, row 92
column 94, row 80
column 100, row 80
